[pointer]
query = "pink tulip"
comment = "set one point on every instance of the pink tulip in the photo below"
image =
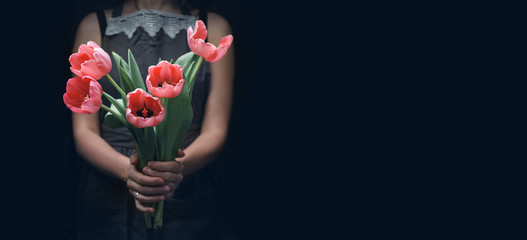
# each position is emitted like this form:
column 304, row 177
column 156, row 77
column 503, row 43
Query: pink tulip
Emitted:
column 83, row 95
column 196, row 42
column 165, row 80
column 91, row 60
column 144, row 110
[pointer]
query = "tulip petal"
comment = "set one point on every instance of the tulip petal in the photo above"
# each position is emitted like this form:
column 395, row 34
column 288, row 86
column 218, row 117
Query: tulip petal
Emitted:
column 201, row 30
column 204, row 50
column 77, row 59
column 196, row 42
column 72, row 101
column 151, row 69
column 189, row 35
column 90, row 60
column 91, row 68
column 83, row 95
column 91, row 105
column 156, row 72
column 93, row 44
column 164, row 71
column 165, row 80
column 177, row 72
column 103, row 60
column 139, row 99
column 76, row 86
column 83, row 48
column 95, row 89
column 179, row 86
column 224, row 45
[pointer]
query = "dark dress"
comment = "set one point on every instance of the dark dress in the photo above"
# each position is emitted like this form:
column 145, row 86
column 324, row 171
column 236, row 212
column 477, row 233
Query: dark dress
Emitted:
column 106, row 208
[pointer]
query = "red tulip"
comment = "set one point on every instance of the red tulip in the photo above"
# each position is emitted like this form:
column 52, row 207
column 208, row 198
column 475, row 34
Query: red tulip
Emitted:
column 196, row 42
column 143, row 109
column 83, row 95
column 165, row 80
column 91, row 60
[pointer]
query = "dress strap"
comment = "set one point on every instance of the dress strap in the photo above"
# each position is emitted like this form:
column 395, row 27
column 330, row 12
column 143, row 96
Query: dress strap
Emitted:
column 117, row 11
column 101, row 17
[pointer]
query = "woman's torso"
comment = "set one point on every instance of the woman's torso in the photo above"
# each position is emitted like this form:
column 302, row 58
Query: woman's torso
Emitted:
column 150, row 35
column 107, row 209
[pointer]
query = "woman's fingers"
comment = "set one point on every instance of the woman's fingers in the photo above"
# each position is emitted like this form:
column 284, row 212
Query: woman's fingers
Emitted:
column 142, row 208
column 168, row 166
column 134, row 159
column 147, row 180
column 169, row 171
column 172, row 187
column 139, row 177
column 180, row 153
column 159, row 181
column 147, row 199
column 142, row 179
column 172, row 180
column 147, row 190
column 167, row 176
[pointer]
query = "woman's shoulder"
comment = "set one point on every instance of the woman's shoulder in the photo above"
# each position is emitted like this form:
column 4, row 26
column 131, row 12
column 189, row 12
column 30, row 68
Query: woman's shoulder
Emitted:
column 214, row 19
column 217, row 27
column 89, row 29
column 91, row 20
column 217, row 21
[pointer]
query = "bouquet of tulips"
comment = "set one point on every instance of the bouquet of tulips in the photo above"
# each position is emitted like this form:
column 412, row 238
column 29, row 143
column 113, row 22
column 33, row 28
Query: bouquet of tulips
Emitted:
column 157, row 111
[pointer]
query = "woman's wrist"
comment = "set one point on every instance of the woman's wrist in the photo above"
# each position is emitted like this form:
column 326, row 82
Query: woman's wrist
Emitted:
column 124, row 175
column 184, row 161
column 123, row 169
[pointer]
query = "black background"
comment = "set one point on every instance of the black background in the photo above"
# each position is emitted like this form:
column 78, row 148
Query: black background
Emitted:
column 363, row 120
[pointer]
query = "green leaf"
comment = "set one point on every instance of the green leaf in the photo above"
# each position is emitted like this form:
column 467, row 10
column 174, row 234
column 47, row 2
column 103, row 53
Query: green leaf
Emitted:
column 172, row 131
column 190, row 63
column 118, row 59
column 129, row 85
column 120, row 62
column 111, row 119
column 135, row 74
column 185, row 59
column 123, row 68
column 117, row 104
column 145, row 139
column 174, row 127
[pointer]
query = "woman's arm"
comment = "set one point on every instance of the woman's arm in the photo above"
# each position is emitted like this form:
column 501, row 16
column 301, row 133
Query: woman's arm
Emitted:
column 96, row 150
column 88, row 141
column 218, row 106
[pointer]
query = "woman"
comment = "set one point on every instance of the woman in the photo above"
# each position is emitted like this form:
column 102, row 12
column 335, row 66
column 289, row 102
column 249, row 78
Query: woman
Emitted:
column 113, row 192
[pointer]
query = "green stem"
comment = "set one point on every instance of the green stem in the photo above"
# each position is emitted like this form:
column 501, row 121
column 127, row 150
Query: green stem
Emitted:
column 117, row 105
column 117, row 115
column 161, row 134
column 193, row 75
column 158, row 215
column 116, row 86
column 148, row 219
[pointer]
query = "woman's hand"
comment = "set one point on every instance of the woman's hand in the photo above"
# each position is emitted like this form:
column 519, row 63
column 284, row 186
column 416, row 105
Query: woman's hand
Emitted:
column 159, row 181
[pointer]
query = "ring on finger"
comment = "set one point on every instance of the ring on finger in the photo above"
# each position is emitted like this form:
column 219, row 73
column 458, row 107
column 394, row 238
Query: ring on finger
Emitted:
column 136, row 194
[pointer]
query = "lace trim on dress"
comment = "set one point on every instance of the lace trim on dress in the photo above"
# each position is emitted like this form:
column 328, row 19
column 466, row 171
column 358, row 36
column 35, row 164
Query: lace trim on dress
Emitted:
column 151, row 21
